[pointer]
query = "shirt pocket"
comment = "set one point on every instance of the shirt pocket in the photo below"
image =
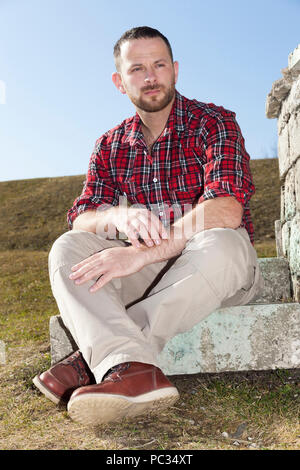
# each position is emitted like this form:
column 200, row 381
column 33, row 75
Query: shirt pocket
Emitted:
column 127, row 185
column 186, row 187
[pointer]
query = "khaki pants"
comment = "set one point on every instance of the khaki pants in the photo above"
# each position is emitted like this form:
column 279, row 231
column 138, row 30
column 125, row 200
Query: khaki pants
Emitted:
column 131, row 318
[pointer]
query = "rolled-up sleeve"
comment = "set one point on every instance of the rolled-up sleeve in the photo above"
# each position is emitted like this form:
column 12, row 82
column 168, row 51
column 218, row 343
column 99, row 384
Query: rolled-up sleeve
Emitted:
column 226, row 169
column 99, row 190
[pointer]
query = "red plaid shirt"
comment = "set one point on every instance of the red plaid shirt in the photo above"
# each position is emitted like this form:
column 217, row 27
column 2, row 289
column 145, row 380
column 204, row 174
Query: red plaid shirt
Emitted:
column 200, row 155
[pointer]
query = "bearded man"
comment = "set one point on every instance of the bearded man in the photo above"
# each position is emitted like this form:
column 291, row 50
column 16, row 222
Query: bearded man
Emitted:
column 160, row 237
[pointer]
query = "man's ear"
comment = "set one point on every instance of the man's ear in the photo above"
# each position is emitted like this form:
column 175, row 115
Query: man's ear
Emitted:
column 176, row 68
column 117, row 80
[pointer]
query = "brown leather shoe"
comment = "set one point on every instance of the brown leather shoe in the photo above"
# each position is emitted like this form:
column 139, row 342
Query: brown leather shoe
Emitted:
column 129, row 389
column 59, row 382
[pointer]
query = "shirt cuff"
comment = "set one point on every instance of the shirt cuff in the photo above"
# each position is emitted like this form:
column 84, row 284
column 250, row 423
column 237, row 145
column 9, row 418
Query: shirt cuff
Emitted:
column 223, row 189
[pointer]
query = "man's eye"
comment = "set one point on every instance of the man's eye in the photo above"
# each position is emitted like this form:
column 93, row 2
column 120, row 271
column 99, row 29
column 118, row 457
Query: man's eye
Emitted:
column 136, row 69
column 160, row 65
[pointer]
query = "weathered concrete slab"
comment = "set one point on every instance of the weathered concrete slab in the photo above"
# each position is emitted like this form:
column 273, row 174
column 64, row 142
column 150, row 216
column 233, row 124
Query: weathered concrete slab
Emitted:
column 250, row 337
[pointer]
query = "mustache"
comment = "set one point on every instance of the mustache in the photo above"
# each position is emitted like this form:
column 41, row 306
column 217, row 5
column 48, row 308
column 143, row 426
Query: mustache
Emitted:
column 151, row 87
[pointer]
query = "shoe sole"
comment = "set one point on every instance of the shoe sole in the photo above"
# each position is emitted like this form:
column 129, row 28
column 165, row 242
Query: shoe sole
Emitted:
column 45, row 391
column 92, row 408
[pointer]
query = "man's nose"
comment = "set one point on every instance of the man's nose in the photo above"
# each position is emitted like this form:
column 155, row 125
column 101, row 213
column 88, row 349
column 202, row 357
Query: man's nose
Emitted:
column 150, row 77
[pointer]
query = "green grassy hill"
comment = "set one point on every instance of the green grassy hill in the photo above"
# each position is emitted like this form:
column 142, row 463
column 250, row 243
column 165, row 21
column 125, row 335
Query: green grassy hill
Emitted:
column 33, row 212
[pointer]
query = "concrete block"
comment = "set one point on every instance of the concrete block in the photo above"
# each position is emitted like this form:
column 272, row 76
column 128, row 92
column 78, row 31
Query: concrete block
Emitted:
column 285, row 233
column 296, row 287
column 282, row 213
column 249, row 337
column 256, row 337
column 284, row 151
column 61, row 342
column 280, row 89
column 294, row 258
column 278, row 238
column 297, row 184
column 272, row 107
column 276, row 274
column 294, row 137
column 294, row 59
column 289, row 106
column 289, row 195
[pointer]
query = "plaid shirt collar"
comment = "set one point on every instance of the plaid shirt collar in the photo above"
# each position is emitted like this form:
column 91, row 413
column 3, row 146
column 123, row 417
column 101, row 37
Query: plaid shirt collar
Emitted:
column 176, row 124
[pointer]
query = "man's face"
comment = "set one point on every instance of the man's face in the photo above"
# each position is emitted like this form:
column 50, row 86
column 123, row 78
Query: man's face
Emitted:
column 147, row 74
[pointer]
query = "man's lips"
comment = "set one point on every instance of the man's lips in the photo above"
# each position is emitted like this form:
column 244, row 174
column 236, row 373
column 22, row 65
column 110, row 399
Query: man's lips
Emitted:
column 152, row 91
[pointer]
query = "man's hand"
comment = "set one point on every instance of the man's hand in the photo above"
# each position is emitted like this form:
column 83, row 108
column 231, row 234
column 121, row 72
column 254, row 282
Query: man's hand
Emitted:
column 106, row 265
column 139, row 222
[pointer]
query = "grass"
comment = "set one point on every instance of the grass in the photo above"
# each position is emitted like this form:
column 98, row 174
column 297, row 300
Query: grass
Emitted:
column 255, row 410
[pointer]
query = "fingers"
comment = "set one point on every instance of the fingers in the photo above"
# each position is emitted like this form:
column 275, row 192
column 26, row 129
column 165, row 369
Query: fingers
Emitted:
column 103, row 279
column 133, row 235
column 86, row 270
column 148, row 227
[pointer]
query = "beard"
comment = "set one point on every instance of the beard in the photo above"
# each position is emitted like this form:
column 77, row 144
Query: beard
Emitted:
column 155, row 103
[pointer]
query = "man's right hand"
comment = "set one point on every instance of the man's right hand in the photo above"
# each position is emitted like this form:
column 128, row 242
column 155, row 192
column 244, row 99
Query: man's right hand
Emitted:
column 139, row 222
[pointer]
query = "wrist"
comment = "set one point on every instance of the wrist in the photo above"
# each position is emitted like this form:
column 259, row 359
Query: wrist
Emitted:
column 106, row 223
column 167, row 249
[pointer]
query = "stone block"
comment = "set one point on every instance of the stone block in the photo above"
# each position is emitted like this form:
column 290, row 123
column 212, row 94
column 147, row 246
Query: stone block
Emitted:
column 296, row 287
column 256, row 337
column 248, row 337
column 283, row 118
column 282, row 213
column 278, row 238
column 297, row 184
column 294, row 59
column 294, row 137
column 280, row 89
column 62, row 343
column 272, row 107
column 289, row 106
column 294, row 258
column 289, row 195
column 276, row 275
column 283, row 151
column 285, row 233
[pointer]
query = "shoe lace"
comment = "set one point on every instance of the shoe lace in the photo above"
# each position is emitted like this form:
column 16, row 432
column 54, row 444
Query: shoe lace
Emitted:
column 78, row 364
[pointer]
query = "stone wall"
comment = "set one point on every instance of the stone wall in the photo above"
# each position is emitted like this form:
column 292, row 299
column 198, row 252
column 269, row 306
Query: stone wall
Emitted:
column 283, row 103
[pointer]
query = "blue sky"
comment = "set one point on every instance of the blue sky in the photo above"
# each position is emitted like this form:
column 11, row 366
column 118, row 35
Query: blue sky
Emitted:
column 56, row 64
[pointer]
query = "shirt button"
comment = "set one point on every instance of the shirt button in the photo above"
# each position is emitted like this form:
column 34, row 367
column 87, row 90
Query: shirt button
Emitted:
column 161, row 213
column 155, row 180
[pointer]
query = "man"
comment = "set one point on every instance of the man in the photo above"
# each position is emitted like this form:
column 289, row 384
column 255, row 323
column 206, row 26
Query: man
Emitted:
column 183, row 168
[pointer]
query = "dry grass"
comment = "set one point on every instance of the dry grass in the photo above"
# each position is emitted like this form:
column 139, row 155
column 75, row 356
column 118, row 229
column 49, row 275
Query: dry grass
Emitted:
column 258, row 411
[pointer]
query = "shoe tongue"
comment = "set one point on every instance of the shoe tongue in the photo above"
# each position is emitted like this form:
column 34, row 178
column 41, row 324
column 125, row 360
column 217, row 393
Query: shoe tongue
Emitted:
column 117, row 368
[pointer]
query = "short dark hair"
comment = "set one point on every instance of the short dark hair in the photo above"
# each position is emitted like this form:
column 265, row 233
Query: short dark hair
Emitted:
column 140, row 32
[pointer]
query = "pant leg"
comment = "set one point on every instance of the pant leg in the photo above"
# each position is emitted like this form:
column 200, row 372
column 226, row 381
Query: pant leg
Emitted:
column 99, row 323
column 217, row 268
